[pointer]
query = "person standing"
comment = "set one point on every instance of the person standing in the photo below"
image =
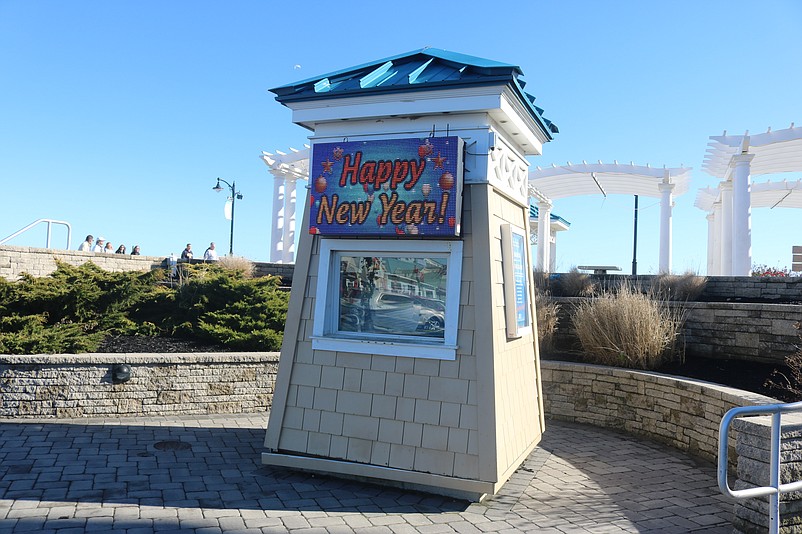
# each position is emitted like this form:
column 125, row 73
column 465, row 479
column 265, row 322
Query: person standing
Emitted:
column 99, row 244
column 211, row 253
column 186, row 255
column 135, row 251
column 120, row 250
column 108, row 249
column 86, row 246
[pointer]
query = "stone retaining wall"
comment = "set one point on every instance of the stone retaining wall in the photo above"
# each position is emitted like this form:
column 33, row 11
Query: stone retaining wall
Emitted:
column 42, row 261
column 762, row 333
column 716, row 288
column 80, row 385
column 681, row 413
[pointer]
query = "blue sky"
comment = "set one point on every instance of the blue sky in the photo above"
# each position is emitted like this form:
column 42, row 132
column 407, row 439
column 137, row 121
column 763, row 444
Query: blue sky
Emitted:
column 118, row 117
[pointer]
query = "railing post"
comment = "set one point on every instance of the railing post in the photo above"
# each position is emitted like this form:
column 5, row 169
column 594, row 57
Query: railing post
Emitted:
column 774, row 498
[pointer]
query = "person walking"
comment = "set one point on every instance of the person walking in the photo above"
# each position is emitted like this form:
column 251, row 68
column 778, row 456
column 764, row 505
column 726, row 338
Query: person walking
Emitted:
column 86, row 246
column 186, row 255
column 211, row 253
column 99, row 244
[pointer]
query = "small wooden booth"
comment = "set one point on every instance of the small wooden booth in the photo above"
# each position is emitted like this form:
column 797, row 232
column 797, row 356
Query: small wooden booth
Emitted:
column 410, row 352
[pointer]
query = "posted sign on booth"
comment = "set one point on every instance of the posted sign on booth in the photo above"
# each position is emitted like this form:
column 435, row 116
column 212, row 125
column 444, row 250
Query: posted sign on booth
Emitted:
column 399, row 187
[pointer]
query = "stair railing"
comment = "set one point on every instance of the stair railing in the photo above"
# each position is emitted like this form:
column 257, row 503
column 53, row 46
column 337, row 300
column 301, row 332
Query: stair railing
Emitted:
column 49, row 222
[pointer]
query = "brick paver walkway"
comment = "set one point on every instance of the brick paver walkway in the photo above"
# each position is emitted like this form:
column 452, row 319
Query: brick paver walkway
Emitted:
column 203, row 474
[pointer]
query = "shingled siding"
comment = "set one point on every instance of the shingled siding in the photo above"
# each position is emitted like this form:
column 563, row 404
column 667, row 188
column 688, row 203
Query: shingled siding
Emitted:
column 754, row 332
column 80, row 385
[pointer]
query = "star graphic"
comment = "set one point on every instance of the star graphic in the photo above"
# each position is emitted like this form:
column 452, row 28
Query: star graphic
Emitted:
column 438, row 161
column 327, row 165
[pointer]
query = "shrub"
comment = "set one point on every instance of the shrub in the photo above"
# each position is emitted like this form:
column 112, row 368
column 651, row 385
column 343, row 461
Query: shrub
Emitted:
column 30, row 334
column 627, row 329
column 224, row 307
column 575, row 284
column 546, row 313
column 237, row 263
column 75, row 308
column 773, row 272
column 683, row 287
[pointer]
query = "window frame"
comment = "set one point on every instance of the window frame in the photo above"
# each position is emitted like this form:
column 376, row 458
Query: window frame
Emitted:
column 325, row 331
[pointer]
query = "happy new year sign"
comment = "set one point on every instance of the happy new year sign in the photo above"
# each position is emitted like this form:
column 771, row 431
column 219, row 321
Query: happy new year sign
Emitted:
column 401, row 187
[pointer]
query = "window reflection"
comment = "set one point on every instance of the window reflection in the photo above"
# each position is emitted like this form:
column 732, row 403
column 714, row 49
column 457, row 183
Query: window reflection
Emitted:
column 393, row 295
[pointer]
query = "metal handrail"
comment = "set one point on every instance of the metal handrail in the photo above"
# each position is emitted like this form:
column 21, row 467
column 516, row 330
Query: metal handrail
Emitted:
column 49, row 222
column 775, row 489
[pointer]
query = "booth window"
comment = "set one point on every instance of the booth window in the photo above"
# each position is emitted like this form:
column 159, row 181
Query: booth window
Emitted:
column 392, row 297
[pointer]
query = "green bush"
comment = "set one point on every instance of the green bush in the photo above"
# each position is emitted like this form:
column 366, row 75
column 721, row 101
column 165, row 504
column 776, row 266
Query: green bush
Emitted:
column 222, row 306
column 75, row 308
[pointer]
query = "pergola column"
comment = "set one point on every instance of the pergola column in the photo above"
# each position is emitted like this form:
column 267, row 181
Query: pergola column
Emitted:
column 711, row 243
column 666, row 205
column 553, row 252
column 742, row 215
column 716, row 239
column 288, row 255
column 544, row 236
column 277, row 232
column 726, row 228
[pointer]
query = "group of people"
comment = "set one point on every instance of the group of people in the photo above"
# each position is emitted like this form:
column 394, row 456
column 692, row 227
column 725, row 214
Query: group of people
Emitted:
column 209, row 255
column 101, row 245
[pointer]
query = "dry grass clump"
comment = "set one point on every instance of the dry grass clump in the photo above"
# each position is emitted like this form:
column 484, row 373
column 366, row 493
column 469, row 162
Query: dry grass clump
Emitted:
column 546, row 315
column 627, row 329
column 237, row 263
column 680, row 287
column 576, row 284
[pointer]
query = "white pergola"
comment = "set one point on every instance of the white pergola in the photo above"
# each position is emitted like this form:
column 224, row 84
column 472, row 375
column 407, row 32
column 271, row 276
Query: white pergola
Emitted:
column 556, row 224
column 287, row 169
column 569, row 180
column 735, row 159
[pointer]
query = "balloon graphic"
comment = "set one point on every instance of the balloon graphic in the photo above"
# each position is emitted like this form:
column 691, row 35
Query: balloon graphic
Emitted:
column 320, row 184
column 446, row 180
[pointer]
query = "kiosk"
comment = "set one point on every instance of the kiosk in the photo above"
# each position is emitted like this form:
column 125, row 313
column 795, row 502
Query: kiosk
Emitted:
column 410, row 352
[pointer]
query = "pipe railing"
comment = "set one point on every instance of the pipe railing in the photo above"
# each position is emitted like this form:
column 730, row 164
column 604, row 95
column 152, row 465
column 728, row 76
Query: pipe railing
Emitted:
column 49, row 222
column 775, row 488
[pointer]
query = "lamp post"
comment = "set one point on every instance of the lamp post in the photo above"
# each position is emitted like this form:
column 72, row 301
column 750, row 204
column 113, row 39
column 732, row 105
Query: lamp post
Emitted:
column 235, row 195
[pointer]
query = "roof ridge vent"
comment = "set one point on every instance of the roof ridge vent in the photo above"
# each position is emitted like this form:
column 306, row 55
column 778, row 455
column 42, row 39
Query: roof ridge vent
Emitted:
column 413, row 76
column 369, row 79
column 323, row 86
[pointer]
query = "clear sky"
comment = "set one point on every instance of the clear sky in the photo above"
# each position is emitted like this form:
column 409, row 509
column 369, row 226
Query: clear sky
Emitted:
column 118, row 117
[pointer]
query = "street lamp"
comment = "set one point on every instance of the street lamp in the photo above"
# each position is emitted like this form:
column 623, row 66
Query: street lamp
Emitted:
column 235, row 195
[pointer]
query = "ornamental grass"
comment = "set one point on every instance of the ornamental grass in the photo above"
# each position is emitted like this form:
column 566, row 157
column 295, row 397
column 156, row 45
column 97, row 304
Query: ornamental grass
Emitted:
column 626, row 328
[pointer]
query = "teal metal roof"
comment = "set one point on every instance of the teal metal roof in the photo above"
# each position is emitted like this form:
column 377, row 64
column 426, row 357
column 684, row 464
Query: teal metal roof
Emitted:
column 425, row 69
column 534, row 211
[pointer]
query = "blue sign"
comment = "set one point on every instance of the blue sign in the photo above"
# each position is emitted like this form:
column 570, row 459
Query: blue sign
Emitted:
column 401, row 187
column 519, row 277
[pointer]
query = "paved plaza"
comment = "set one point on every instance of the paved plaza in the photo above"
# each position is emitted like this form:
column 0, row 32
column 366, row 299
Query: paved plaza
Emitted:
column 203, row 474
